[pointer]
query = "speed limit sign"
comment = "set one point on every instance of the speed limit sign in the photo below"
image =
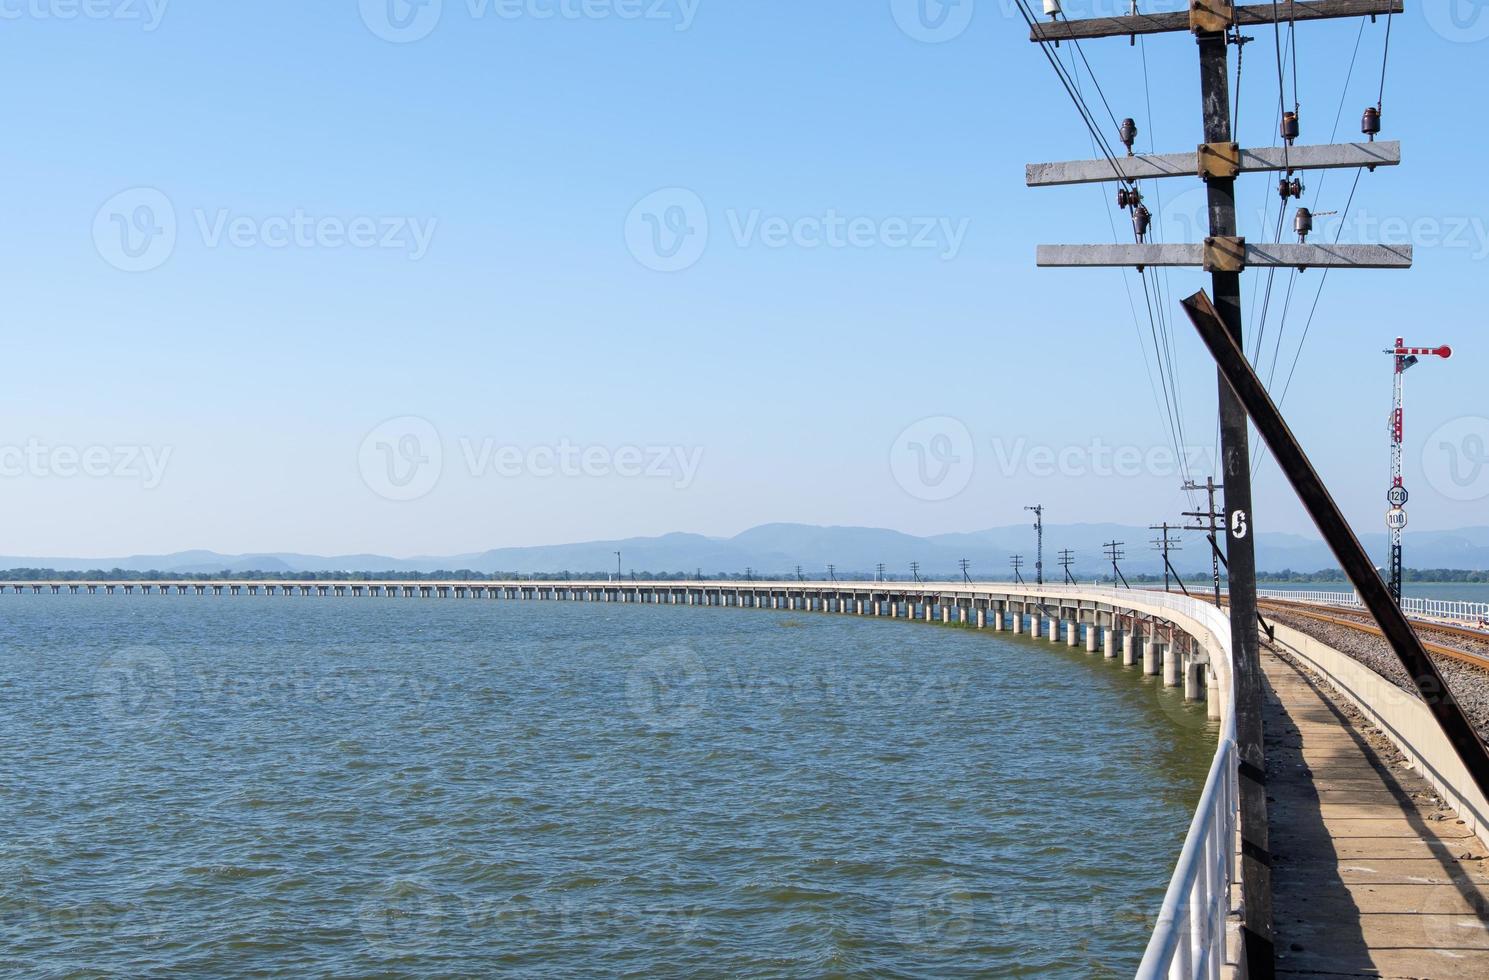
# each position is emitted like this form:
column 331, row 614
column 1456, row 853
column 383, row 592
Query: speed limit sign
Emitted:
column 1395, row 518
column 1396, row 497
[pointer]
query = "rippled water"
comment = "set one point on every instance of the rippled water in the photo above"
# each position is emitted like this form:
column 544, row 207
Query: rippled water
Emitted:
column 362, row 786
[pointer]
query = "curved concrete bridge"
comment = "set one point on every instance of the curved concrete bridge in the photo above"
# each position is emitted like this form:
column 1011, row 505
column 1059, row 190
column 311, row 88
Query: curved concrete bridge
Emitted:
column 1377, row 837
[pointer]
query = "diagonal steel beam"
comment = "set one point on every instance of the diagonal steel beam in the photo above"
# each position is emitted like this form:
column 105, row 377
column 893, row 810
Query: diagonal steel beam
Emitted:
column 1248, row 15
column 1267, row 159
column 1238, row 373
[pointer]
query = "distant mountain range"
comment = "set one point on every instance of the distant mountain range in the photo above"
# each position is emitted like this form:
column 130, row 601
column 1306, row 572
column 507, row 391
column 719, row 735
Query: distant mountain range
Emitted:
column 780, row 548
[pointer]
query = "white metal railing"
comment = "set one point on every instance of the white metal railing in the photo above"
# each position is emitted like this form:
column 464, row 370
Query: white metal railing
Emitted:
column 1457, row 610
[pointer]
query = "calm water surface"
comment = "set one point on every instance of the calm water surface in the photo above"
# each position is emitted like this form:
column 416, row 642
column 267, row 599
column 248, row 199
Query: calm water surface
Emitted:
column 385, row 786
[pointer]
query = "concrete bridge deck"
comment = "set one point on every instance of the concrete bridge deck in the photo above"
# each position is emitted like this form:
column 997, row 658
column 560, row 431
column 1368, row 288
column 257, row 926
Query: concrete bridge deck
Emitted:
column 1371, row 875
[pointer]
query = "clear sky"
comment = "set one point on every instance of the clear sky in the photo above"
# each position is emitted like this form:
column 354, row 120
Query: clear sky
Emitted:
column 340, row 277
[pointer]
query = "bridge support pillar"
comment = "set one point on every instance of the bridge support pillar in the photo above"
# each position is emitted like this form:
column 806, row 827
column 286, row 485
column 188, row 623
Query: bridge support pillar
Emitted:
column 946, row 615
column 982, row 618
column 1212, row 693
column 1113, row 641
column 1194, row 680
column 1130, row 647
column 1091, row 637
column 1173, row 666
column 1073, row 633
column 1152, row 656
column 996, row 617
column 1054, row 629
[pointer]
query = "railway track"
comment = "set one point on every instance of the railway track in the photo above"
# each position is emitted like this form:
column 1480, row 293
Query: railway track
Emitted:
column 1454, row 642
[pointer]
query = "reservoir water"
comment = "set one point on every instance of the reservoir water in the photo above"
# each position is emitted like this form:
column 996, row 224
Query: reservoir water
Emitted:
column 367, row 786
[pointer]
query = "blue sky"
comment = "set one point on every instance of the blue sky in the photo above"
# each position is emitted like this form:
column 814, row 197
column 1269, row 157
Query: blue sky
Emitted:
column 412, row 303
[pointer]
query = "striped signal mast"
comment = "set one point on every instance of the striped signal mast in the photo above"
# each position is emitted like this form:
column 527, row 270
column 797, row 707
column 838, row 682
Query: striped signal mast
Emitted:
column 1397, row 496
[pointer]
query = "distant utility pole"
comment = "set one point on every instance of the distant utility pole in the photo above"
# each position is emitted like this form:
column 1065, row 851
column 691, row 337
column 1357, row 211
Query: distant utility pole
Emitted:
column 1067, row 558
column 1165, row 545
column 966, row 565
column 700, row 574
column 749, row 574
column 915, row 570
column 1017, row 561
column 799, row 577
column 1215, row 522
column 880, row 572
column 1405, row 357
column 832, row 573
column 1115, row 553
column 618, row 574
column 1038, row 510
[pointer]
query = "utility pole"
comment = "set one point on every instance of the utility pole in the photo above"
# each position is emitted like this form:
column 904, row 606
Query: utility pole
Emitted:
column 618, row 574
column 749, row 574
column 1017, row 561
column 880, row 572
column 1067, row 558
column 798, row 574
column 915, row 570
column 1165, row 545
column 1223, row 254
column 1404, row 357
column 1115, row 553
column 966, row 565
column 1038, row 510
column 1214, row 524
column 832, row 573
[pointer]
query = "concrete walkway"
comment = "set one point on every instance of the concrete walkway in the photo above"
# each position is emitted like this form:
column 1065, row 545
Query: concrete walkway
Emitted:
column 1371, row 875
